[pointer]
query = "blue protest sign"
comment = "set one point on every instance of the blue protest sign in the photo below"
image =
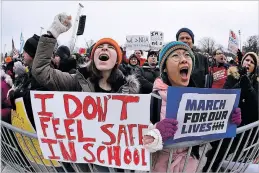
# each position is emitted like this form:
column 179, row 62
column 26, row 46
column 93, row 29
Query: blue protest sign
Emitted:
column 202, row 114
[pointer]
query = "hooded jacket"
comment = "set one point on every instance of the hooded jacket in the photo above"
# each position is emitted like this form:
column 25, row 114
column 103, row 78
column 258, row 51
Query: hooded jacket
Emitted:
column 6, row 84
column 56, row 80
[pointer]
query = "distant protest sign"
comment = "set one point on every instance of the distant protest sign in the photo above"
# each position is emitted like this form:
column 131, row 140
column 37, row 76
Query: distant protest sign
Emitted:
column 137, row 42
column 156, row 40
column 98, row 128
column 202, row 114
column 232, row 42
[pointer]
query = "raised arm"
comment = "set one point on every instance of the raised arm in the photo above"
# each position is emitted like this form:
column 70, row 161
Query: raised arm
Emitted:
column 51, row 78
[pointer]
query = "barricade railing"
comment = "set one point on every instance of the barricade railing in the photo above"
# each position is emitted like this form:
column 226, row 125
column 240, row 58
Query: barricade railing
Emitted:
column 230, row 154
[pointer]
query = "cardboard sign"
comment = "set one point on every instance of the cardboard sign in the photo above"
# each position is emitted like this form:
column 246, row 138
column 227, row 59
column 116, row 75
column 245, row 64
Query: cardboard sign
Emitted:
column 202, row 114
column 103, row 129
column 232, row 42
column 156, row 40
column 137, row 42
column 30, row 147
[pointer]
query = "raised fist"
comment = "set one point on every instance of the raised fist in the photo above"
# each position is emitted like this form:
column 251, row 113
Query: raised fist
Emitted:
column 61, row 24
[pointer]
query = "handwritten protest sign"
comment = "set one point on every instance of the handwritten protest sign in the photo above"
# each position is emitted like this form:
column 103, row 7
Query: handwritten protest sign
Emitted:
column 202, row 114
column 232, row 42
column 156, row 40
column 104, row 129
column 137, row 42
column 30, row 147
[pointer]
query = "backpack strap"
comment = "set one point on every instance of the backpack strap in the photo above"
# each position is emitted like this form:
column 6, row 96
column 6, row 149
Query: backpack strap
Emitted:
column 155, row 107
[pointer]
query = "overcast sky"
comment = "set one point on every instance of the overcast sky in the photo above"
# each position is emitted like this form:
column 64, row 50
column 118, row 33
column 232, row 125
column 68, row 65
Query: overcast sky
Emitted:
column 117, row 19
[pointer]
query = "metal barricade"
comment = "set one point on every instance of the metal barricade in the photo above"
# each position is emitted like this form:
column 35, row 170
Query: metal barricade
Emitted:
column 231, row 155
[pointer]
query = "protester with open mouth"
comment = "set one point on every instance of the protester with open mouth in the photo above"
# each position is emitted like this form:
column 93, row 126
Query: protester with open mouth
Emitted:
column 176, row 61
column 100, row 75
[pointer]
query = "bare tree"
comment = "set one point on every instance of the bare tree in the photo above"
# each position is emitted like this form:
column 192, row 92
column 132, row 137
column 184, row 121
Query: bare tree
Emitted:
column 207, row 45
column 252, row 44
column 89, row 43
column 219, row 46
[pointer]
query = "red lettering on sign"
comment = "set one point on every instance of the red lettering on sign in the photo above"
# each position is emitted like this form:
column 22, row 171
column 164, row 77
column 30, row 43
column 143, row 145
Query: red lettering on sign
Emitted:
column 81, row 137
column 99, row 150
column 114, row 154
column 144, row 163
column 89, row 101
column 78, row 109
column 127, row 156
column 68, row 155
column 125, row 100
column 43, row 120
column 67, row 123
column 140, row 134
column 123, row 131
column 50, row 142
column 104, row 128
column 43, row 98
column 86, row 146
column 130, row 127
column 55, row 122
column 102, row 113
column 136, row 157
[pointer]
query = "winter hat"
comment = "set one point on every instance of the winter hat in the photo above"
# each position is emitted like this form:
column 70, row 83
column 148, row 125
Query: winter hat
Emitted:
column 255, row 58
column 111, row 42
column 19, row 69
column 185, row 30
column 31, row 44
column 63, row 52
column 151, row 53
column 8, row 59
column 168, row 49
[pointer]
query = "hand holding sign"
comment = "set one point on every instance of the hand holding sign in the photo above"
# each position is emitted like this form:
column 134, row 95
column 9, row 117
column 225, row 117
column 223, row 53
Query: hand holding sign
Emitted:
column 167, row 128
column 236, row 117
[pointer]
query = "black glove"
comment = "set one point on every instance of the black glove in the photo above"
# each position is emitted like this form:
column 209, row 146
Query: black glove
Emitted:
column 245, row 83
column 14, row 95
column 242, row 71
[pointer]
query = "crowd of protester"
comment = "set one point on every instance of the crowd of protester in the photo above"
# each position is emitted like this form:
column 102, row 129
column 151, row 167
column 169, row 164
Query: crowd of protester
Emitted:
column 106, row 69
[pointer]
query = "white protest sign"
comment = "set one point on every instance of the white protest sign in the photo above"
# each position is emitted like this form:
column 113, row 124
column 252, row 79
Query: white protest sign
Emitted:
column 199, row 115
column 137, row 42
column 232, row 42
column 98, row 128
column 156, row 40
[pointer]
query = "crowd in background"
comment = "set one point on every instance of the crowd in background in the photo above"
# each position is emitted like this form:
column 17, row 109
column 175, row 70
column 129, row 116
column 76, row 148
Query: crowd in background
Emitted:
column 43, row 68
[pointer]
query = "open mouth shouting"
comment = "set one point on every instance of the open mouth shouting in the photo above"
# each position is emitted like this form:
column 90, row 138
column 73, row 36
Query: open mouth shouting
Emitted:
column 184, row 72
column 104, row 57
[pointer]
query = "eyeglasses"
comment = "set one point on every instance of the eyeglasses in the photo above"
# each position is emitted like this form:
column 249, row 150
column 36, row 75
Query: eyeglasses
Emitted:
column 177, row 57
column 220, row 53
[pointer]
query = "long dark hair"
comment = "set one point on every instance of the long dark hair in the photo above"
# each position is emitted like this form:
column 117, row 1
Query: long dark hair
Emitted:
column 116, row 78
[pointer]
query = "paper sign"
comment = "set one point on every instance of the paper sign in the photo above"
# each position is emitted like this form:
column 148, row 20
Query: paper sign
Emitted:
column 137, row 42
column 21, row 120
column 202, row 114
column 232, row 42
column 103, row 129
column 156, row 40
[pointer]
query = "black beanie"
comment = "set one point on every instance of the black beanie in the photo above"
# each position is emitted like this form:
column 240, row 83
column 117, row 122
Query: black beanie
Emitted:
column 31, row 44
column 152, row 53
column 63, row 52
column 185, row 30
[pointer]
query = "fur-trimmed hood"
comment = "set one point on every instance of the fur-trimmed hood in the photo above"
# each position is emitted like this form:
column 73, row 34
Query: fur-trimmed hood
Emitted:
column 132, row 85
column 233, row 71
column 6, row 78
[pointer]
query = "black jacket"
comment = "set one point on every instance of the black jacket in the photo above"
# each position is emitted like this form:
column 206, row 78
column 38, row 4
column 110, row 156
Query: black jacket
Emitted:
column 150, row 73
column 200, row 70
